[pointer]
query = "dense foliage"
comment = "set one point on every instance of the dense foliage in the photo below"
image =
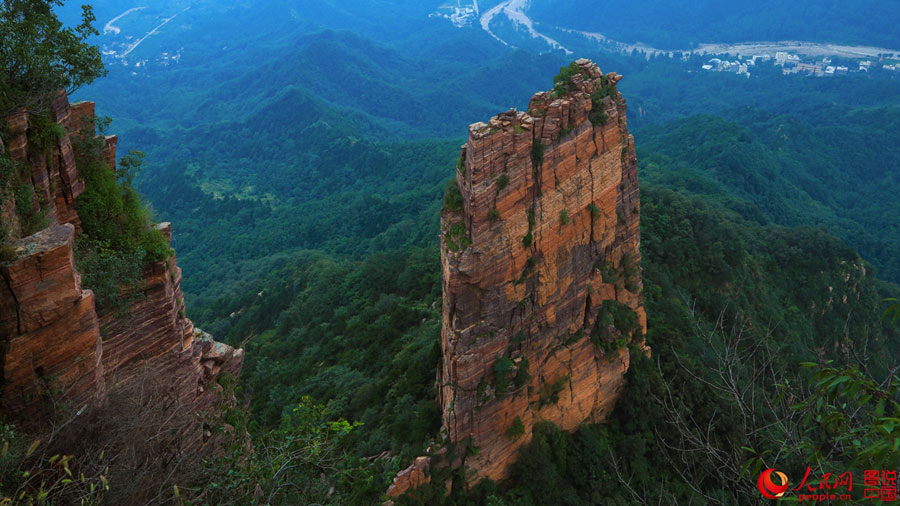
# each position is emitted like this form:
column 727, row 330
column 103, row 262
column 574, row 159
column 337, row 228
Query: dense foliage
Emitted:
column 38, row 55
column 302, row 461
column 314, row 330
column 343, row 176
column 710, row 279
column 708, row 273
column 363, row 336
column 117, row 238
column 837, row 172
column 306, row 219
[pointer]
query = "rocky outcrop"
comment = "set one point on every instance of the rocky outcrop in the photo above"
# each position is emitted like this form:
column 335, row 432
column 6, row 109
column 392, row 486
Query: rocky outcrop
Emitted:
column 53, row 176
column 411, row 478
column 541, row 271
column 53, row 343
column 51, row 338
column 155, row 323
column 155, row 337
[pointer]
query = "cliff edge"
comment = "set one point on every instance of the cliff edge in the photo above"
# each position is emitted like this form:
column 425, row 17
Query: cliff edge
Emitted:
column 55, row 346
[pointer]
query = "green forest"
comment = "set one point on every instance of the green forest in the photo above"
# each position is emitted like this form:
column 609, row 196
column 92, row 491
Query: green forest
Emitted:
column 305, row 213
column 717, row 194
column 713, row 280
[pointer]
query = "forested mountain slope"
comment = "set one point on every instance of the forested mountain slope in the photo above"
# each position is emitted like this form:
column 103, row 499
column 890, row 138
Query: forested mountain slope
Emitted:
column 839, row 174
column 301, row 150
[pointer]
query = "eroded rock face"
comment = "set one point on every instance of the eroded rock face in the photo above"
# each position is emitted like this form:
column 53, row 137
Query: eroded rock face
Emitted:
column 53, row 175
column 53, row 343
column 411, row 478
column 155, row 337
column 539, row 261
column 51, row 337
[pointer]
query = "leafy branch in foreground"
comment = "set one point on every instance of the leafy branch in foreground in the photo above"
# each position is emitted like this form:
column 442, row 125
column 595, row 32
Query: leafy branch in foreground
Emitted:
column 306, row 460
column 893, row 311
column 39, row 56
column 858, row 417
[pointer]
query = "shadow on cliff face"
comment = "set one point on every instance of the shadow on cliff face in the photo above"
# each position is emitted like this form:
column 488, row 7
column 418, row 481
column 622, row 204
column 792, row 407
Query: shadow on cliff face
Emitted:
column 136, row 447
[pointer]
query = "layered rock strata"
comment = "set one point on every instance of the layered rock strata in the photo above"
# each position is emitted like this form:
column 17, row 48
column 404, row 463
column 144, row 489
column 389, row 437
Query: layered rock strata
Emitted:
column 541, row 272
column 53, row 343
column 50, row 331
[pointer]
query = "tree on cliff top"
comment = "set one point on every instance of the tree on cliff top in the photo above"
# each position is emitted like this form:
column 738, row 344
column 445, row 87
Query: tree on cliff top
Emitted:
column 39, row 55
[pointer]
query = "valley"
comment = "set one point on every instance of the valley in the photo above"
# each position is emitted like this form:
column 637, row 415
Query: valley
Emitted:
column 514, row 10
column 426, row 242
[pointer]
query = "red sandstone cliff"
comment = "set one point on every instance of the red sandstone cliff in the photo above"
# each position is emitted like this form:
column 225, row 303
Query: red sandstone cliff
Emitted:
column 53, row 342
column 544, row 240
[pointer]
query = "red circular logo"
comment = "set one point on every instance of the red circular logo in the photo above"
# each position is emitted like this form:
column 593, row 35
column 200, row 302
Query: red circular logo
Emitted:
column 768, row 488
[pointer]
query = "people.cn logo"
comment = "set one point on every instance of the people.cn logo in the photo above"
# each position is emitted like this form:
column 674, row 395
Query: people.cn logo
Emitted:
column 768, row 488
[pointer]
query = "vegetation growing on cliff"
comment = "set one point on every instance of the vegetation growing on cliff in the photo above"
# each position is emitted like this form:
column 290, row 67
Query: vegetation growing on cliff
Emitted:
column 118, row 238
column 614, row 326
column 502, row 181
column 110, row 208
column 699, row 259
column 706, row 319
column 562, row 82
column 15, row 183
column 355, row 323
column 516, row 429
column 537, row 154
column 452, row 197
column 41, row 56
column 550, row 391
column 503, row 367
column 598, row 115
